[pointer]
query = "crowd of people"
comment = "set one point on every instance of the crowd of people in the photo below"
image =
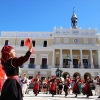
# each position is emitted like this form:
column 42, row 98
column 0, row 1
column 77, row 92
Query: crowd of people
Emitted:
column 55, row 85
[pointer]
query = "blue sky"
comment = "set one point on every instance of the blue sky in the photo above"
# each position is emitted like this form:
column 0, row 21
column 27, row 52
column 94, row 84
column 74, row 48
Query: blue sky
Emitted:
column 43, row 15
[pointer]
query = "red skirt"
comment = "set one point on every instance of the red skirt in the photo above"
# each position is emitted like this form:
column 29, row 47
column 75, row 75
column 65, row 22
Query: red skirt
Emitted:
column 53, row 86
column 86, row 88
column 76, row 89
column 36, row 88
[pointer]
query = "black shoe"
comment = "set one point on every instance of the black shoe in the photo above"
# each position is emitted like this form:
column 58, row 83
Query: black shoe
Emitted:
column 35, row 94
column 87, row 96
column 99, row 97
column 76, row 96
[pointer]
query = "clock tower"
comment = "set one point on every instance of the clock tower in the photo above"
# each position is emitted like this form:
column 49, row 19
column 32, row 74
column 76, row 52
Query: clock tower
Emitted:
column 74, row 20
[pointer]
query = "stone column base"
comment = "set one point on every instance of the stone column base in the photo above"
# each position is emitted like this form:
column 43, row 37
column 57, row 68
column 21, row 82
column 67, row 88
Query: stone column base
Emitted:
column 53, row 66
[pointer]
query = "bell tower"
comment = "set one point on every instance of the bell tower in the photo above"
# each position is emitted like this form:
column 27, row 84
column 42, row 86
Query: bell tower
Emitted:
column 74, row 20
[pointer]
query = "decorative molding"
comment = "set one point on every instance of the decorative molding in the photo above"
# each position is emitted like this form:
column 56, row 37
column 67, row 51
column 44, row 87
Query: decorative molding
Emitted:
column 57, row 40
column 85, row 40
column 94, row 41
column 65, row 40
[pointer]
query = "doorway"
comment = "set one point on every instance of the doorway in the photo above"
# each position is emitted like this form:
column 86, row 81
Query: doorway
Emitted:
column 75, row 63
column 65, row 63
column 44, row 63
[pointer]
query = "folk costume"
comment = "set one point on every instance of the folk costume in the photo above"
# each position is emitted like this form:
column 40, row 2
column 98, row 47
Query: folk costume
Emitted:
column 76, row 86
column 11, row 89
column 36, row 87
column 53, row 87
column 98, row 86
column 66, row 86
column 87, row 88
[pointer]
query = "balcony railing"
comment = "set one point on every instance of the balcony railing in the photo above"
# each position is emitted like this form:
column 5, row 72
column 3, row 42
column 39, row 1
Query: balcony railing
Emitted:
column 56, row 65
column 44, row 66
column 76, row 66
column 31, row 65
column 96, row 66
column 66, row 66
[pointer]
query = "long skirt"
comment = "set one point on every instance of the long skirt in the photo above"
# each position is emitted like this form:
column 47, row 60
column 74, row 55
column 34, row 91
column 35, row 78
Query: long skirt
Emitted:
column 36, row 88
column 87, row 90
column 11, row 90
column 76, row 89
column 53, row 89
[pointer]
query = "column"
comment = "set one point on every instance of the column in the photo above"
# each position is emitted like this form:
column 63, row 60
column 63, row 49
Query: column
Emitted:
column 91, row 59
column 81, row 58
column 71, row 57
column 99, row 59
column 60, row 57
column 53, row 58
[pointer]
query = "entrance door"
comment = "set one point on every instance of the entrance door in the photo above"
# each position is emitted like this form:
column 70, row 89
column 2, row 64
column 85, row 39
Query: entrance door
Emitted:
column 75, row 63
column 85, row 63
column 44, row 62
column 65, row 63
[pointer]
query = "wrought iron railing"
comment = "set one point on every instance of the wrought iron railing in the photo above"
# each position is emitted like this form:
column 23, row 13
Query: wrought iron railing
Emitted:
column 76, row 66
column 44, row 66
column 96, row 66
column 31, row 65
column 66, row 66
column 56, row 65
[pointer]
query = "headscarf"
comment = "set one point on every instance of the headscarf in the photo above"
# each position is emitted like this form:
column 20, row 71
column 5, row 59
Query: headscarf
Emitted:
column 5, row 53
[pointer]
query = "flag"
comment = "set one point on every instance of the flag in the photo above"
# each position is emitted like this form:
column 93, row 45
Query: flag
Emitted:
column 78, row 59
column 28, row 40
column 69, row 59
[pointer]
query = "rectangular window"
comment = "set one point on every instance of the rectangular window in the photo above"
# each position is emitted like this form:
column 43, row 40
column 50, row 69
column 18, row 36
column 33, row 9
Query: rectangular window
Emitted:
column 6, row 42
column 45, row 44
column 33, row 42
column 22, row 43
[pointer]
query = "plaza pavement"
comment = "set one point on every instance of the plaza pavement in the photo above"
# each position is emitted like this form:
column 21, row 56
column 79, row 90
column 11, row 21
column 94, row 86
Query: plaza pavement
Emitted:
column 42, row 96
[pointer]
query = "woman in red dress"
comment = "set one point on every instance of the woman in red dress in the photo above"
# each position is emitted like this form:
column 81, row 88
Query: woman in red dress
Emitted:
column 76, row 86
column 36, row 87
column 53, row 87
column 87, row 88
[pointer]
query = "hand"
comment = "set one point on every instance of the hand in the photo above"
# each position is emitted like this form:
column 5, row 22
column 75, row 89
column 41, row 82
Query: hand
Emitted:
column 30, row 45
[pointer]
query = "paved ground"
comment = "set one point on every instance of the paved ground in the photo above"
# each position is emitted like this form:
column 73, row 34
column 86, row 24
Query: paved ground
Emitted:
column 42, row 96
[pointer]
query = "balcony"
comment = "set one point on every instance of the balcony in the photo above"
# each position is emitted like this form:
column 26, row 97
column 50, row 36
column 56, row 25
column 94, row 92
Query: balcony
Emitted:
column 31, row 65
column 76, row 66
column 66, row 66
column 44, row 66
column 96, row 66
column 56, row 65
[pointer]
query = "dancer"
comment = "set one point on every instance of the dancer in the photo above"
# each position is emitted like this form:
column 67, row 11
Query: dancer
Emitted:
column 76, row 86
column 53, row 87
column 66, row 85
column 98, row 85
column 87, row 88
column 11, row 89
column 36, row 87
column 60, row 85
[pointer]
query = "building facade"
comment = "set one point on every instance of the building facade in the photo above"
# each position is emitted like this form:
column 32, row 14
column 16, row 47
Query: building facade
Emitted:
column 74, row 50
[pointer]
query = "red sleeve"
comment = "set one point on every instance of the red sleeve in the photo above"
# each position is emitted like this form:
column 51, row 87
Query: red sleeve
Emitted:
column 21, row 60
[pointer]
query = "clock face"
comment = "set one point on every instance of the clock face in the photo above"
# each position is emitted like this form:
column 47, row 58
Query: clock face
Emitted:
column 76, row 40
